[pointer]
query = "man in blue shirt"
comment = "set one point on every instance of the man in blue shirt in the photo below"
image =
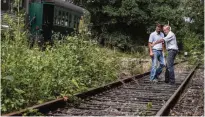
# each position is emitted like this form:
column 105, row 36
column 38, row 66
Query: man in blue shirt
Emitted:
column 172, row 48
column 156, row 53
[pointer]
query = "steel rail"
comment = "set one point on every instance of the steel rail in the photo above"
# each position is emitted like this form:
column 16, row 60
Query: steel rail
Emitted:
column 59, row 103
column 164, row 111
column 54, row 104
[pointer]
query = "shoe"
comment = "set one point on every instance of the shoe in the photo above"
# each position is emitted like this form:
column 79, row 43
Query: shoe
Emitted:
column 166, row 80
column 172, row 83
column 155, row 80
column 156, row 77
column 159, row 78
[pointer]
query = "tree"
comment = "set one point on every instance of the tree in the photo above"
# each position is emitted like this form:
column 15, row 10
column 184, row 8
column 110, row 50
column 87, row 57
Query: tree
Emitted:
column 194, row 9
column 134, row 20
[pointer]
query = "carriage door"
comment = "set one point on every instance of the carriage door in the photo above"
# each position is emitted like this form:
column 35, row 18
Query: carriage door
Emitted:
column 5, row 5
column 48, row 11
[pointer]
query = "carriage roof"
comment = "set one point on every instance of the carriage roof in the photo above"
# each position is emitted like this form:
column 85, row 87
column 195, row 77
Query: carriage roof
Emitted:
column 68, row 5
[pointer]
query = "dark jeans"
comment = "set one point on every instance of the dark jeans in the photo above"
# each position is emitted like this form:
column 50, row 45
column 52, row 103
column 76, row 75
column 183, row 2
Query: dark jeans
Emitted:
column 170, row 64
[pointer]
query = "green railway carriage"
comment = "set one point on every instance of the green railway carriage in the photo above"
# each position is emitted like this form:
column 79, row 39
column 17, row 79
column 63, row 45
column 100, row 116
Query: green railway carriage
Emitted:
column 47, row 16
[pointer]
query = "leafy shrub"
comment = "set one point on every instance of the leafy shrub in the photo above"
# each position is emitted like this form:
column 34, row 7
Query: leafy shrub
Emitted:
column 72, row 65
column 30, row 76
column 194, row 46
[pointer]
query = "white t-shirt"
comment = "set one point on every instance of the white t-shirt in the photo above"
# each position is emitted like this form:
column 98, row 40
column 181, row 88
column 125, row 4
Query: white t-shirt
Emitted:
column 154, row 36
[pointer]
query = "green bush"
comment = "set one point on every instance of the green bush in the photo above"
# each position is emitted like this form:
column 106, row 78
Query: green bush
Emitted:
column 194, row 46
column 72, row 65
column 30, row 76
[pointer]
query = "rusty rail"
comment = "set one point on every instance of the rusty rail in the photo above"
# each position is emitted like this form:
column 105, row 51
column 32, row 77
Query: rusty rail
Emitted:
column 164, row 111
column 58, row 103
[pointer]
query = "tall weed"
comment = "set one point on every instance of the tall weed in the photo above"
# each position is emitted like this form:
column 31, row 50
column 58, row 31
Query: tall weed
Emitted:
column 194, row 46
column 30, row 76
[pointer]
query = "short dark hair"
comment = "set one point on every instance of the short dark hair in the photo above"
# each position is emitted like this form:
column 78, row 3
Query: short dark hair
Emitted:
column 159, row 25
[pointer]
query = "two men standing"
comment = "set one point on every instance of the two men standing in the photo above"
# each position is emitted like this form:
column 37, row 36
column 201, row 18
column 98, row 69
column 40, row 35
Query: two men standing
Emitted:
column 156, row 54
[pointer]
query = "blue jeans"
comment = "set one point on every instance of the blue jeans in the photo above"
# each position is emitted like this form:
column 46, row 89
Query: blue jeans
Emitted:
column 158, row 56
column 170, row 64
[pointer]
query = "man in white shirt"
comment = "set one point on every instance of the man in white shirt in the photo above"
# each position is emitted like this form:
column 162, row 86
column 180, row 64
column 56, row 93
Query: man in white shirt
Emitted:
column 172, row 48
column 156, row 53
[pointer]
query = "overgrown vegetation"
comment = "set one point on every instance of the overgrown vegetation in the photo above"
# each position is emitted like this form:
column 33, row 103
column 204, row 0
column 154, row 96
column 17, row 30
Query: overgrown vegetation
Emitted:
column 30, row 76
column 192, row 34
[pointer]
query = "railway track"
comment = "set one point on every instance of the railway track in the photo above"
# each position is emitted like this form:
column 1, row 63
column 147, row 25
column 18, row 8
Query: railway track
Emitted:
column 133, row 97
column 191, row 103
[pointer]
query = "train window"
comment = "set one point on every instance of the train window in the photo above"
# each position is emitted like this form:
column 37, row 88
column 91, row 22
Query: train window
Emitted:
column 55, row 17
column 56, row 20
column 70, row 19
column 66, row 22
column 75, row 21
column 78, row 19
column 59, row 17
column 63, row 18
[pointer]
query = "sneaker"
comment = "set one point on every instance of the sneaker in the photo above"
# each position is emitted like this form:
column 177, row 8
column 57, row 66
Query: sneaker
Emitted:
column 155, row 80
column 159, row 78
column 156, row 77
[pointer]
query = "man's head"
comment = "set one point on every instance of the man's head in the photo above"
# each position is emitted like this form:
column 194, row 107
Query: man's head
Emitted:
column 166, row 29
column 158, row 28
